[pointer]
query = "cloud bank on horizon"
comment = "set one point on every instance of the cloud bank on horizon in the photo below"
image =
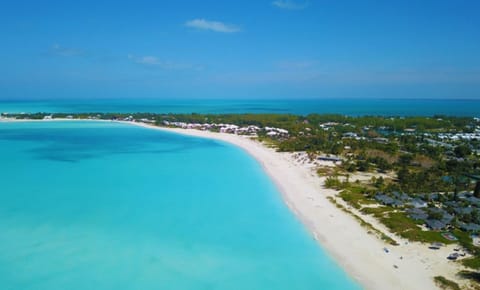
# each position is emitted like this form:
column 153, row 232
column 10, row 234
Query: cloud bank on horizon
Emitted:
column 264, row 49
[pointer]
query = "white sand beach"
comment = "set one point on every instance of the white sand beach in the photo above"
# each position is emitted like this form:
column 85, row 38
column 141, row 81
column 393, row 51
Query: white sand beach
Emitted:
column 361, row 254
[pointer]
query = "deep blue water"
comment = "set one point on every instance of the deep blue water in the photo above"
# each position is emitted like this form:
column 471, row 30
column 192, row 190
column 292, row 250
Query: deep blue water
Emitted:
column 353, row 107
column 90, row 205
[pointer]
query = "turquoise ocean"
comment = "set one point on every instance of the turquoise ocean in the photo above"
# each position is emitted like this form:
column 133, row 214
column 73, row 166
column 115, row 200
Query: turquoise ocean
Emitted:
column 352, row 106
column 100, row 205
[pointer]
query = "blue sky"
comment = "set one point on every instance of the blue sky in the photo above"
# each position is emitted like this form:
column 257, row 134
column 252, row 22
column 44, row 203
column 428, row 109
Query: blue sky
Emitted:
column 240, row 49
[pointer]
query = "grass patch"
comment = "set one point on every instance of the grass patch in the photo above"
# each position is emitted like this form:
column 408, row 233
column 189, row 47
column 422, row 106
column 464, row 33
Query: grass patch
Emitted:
column 334, row 183
column 400, row 224
column 396, row 221
column 472, row 263
column 356, row 197
column 332, row 200
column 380, row 234
column 425, row 236
column 444, row 283
column 473, row 276
column 268, row 142
column 325, row 171
column 364, row 224
column 465, row 241
column 352, row 198
column 382, row 154
column 377, row 212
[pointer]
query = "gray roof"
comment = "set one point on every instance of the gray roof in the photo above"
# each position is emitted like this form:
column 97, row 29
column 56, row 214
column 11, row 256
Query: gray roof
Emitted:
column 417, row 214
column 470, row 227
column 463, row 195
column 447, row 218
column 452, row 203
column 437, row 210
column 462, row 210
column 435, row 224
column 401, row 196
column 385, row 199
column 329, row 158
column 473, row 200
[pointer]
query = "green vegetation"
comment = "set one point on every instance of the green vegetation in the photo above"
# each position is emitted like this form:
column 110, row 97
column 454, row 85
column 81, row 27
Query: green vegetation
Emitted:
column 474, row 276
column 357, row 196
column 424, row 236
column 395, row 220
column 472, row 263
column 334, row 182
column 465, row 241
column 368, row 226
column 399, row 223
column 377, row 212
column 444, row 283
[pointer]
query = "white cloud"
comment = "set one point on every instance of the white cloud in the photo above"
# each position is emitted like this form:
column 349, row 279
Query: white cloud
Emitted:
column 212, row 25
column 59, row 50
column 153, row 61
column 149, row 60
column 290, row 4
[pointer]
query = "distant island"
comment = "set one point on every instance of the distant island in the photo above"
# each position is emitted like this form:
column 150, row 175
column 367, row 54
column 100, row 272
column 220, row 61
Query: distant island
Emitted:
column 404, row 179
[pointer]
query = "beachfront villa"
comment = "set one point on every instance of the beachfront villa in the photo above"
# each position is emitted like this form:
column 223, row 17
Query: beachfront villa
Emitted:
column 230, row 128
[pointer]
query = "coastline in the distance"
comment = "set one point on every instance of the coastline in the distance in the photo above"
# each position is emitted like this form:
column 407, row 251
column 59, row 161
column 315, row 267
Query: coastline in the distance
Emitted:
column 362, row 254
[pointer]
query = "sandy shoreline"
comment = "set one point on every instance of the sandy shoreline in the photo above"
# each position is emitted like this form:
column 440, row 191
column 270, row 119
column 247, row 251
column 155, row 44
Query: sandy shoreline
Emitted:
column 358, row 252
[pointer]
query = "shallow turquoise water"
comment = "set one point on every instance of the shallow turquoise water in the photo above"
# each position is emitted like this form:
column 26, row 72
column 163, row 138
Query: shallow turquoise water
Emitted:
column 110, row 206
column 351, row 106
